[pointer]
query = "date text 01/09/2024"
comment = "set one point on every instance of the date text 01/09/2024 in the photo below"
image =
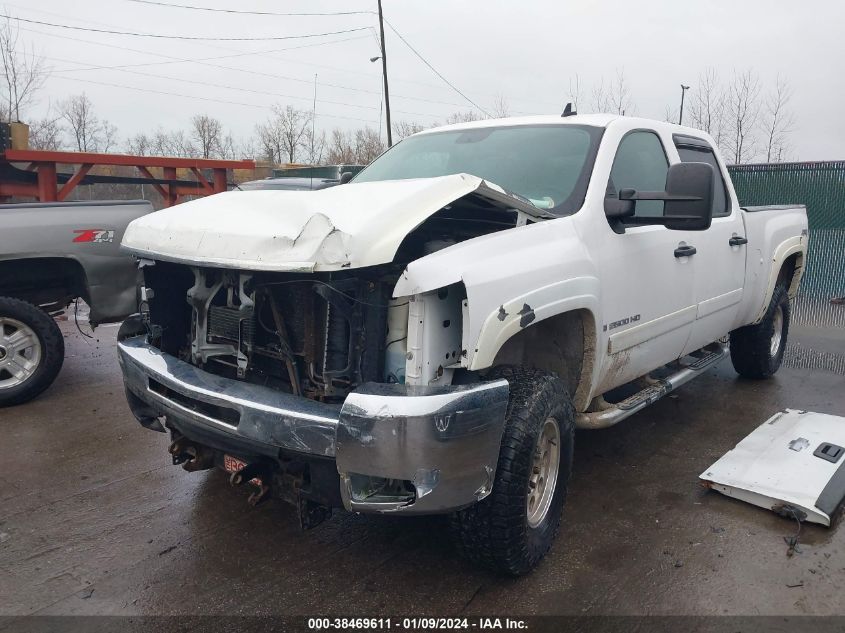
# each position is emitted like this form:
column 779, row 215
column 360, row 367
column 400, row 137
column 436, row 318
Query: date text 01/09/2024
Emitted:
column 415, row 624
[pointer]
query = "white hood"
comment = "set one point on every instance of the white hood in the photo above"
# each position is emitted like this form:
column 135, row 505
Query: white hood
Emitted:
column 348, row 226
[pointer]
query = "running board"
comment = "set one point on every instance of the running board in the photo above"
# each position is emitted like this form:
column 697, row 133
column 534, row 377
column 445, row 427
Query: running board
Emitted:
column 651, row 394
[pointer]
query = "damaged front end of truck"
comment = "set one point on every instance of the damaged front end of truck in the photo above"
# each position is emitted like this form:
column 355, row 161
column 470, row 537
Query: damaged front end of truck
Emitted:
column 272, row 342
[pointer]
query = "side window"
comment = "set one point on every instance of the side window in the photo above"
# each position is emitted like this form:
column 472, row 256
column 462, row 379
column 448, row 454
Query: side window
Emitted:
column 640, row 164
column 701, row 153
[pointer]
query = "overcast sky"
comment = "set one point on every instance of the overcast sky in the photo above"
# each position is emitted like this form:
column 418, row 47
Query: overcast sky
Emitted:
column 525, row 51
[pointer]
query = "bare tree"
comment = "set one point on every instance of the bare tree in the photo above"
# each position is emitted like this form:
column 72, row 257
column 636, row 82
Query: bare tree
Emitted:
column 612, row 96
column 107, row 137
column 575, row 92
column 500, row 109
column 708, row 105
column 46, row 134
column 314, row 144
column 295, row 125
column 620, row 94
column 229, row 148
column 78, row 111
column 670, row 115
column 778, row 121
column 403, row 129
column 359, row 147
column 139, row 145
column 368, row 145
column 600, row 98
column 463, row 117
column 24, row 71
column 174, row 143
column 341, row 148
column 283, row 135
column 743, row 110
column 208, row 134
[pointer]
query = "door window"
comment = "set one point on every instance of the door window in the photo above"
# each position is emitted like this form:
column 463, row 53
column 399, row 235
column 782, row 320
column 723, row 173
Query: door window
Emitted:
column 640, row 164
column 700, row 152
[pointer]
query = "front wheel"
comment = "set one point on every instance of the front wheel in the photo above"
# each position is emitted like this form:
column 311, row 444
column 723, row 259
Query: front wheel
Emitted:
column 757, row 350
column 32, row 351
column 512, row 529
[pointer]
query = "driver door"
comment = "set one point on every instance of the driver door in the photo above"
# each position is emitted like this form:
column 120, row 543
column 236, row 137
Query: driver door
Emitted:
column 648, row 272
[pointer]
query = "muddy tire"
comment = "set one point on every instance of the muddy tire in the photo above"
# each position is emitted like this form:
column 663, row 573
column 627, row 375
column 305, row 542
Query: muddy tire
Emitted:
column 757, row 350
column 32, row 351
column 512, row 529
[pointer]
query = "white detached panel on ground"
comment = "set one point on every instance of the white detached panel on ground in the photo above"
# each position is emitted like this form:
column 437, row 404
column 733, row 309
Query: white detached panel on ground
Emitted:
column 793, row 462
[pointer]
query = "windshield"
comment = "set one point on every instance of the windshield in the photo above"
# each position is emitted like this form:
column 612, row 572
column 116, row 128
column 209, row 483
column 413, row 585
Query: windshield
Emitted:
column 549, row 165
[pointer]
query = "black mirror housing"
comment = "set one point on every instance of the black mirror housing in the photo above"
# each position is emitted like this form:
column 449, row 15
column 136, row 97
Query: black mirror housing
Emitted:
column 695, row 182
column 346, row 177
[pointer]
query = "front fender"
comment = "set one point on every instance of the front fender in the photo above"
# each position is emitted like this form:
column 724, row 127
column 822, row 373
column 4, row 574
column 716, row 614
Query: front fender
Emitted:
column 530, row 308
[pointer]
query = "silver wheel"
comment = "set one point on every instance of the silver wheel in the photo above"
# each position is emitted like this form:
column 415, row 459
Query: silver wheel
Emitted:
column 20, row 352
column 777, row 334
column 544, row 472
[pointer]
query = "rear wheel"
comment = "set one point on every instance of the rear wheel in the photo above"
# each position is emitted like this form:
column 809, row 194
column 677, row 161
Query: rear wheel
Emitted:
column 512, row 529
column 31, row 351
column 757, row 350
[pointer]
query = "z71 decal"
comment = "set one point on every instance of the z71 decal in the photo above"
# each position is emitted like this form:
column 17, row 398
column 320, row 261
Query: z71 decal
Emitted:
column 100, row 236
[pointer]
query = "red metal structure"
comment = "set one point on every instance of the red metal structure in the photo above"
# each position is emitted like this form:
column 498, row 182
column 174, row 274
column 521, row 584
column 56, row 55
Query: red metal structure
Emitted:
column 39, row 178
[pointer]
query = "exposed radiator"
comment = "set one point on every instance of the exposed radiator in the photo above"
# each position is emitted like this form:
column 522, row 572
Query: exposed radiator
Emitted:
column 231, row 324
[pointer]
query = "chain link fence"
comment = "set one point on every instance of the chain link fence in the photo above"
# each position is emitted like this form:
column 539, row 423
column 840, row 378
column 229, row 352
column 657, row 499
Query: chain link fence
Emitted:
column 821, row 187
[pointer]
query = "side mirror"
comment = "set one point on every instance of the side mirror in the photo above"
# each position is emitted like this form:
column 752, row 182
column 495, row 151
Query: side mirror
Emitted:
column 695, row 183
column 346, row 177
column 688, row 200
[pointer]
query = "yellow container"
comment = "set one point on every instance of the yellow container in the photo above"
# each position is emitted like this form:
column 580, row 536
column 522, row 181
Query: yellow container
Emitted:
column 20, row 135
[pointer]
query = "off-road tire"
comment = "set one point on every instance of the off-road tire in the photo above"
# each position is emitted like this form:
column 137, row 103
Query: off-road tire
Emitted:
column 751, row 346
column 495, row 532
column 52, row 350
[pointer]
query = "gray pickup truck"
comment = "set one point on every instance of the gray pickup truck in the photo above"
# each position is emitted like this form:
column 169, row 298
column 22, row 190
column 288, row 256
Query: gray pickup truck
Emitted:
column 50, row 255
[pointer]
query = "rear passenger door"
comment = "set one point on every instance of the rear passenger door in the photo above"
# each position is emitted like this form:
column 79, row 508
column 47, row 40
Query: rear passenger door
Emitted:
column 720, row 257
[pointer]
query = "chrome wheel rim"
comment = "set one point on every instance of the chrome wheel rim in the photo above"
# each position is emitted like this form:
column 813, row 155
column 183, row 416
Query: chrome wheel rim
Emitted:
column 777, row 335
column 544, row 472
column 20, row 352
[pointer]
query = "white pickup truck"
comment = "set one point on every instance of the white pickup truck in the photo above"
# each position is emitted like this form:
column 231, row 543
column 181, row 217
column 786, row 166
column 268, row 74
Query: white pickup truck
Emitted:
column 427, row 338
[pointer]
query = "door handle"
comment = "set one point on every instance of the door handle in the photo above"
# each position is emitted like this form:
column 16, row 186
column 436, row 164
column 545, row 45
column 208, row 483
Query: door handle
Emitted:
column 737, row 240
column 685, row 250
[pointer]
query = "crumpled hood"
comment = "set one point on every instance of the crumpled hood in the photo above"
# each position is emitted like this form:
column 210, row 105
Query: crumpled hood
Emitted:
column 348, row 226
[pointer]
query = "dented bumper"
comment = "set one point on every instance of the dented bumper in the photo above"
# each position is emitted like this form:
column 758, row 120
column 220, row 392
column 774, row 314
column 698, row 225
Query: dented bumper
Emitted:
column 398, row 448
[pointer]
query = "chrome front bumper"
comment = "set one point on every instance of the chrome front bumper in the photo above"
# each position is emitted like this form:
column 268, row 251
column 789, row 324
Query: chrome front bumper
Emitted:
column 443, row 442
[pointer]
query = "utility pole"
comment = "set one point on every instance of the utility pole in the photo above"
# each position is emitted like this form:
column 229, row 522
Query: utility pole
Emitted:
column 313, row 120
column 681, row 114
column 384, row 76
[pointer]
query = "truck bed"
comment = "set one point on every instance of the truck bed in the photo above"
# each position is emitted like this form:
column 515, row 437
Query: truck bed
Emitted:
column 769, row 229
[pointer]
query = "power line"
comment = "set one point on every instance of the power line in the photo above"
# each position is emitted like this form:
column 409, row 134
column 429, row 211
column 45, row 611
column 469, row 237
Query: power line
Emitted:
column 184, row 37
column 434, row 70
column 197, row 98
column 244, row 12
column 202, row 62
column 393, row 28
column 239, row 89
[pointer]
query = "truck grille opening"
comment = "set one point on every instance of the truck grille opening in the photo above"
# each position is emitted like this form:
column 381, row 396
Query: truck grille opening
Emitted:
column 232, row 417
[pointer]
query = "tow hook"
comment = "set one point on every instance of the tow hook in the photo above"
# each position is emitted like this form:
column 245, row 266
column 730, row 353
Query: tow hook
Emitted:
column 255, row 473
column 193, row 457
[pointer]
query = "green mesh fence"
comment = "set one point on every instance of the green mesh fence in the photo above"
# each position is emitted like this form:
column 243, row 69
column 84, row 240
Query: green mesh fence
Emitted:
column 821, row 188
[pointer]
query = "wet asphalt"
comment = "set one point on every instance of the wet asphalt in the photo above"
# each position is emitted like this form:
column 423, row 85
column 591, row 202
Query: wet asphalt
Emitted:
column 95, row 520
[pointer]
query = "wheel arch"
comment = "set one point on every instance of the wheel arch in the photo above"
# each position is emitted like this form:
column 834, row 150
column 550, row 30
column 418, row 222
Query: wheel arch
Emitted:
column 52, row 281
column 787, row 264
column 564, row 343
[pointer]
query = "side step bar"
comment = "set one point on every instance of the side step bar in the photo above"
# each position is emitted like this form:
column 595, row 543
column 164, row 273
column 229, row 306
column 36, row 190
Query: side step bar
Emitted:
column 640, row 400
